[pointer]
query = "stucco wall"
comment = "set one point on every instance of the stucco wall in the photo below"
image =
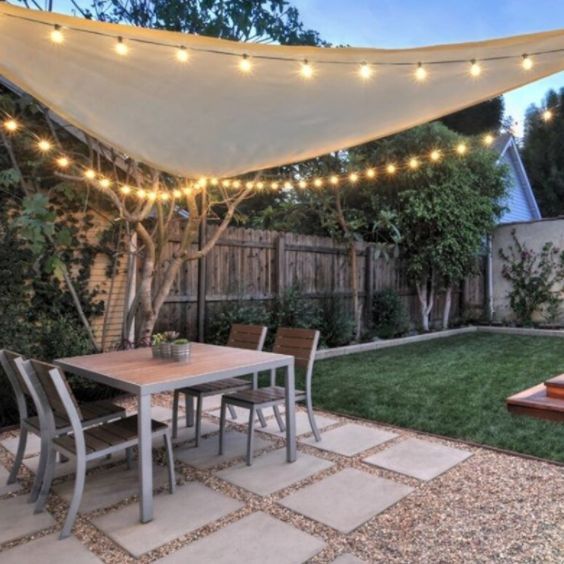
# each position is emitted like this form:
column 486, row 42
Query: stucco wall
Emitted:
column 534, row 234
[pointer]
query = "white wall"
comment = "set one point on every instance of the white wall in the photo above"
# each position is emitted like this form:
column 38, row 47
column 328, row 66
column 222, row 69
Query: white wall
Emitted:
column 534, row 234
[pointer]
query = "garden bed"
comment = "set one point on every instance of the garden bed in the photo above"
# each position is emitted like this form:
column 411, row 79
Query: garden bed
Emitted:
column 453, row 386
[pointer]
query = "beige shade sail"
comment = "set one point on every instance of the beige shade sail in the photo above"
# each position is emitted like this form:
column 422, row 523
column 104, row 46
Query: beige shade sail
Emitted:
column 205, row 117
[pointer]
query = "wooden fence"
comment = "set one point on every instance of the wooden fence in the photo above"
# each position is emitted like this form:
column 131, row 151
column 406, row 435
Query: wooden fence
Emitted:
column 254, row 266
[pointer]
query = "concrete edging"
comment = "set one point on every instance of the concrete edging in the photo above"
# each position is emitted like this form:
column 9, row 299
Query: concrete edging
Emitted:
column 323, row 354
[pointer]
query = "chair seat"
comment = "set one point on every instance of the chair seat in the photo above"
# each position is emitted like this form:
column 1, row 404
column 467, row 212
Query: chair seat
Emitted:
column 108, row 435
column 261, row 395
column 220, row 387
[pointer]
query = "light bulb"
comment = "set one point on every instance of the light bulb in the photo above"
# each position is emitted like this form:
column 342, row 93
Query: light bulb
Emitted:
column 90, row 174
column 63, row 162
column 527, row 62
column 182, row 54
column 353, row 177
column 435, row 155
column 11, row 125
column 365, row 72
column 187, row 190
column 226, row 183
column 121, row 48
column 152, row 196
column 249, row 185
column 165, row 196
column 245, row 64
column 105, row 183
column 391, row 169
column 488, row 139
column 57, row 35
column 288, row 185
column 260, row 185
column 547, row 115
column 141, row 194
column 420, row 72
column 274, row 185
column 176, row 193
column 318, row 183
column 413, row 163
column 306, row 69
column 461, row 149
column 236, row 184
column 302, row 184
column 44, row 146
column 125, row 189
column 334, row 180
column 371, row 173
column 475, row 68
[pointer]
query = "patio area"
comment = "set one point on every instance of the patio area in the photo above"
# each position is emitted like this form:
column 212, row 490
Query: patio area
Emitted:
column 366, row 493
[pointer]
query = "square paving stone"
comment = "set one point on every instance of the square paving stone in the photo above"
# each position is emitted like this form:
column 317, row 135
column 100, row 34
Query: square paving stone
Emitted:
column 347, row 499
column 302, row 424
column 350, row 439
column 348, row 558
column 205, row 455
column 189, row 433
column 255, row 539
column 191, row 507
column 109, row 486
column 17, row 519
column 421, row 459
column 270, row 472
column 7, row 488
column 50, row 550
column 32, row 447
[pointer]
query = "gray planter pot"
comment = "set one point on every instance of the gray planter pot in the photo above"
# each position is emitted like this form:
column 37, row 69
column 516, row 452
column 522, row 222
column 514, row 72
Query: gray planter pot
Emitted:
column 156, row 349
column 181, row 353
column 166, row 350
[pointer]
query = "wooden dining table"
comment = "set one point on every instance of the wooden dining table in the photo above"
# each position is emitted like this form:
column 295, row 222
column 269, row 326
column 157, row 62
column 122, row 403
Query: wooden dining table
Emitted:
column 137, row 372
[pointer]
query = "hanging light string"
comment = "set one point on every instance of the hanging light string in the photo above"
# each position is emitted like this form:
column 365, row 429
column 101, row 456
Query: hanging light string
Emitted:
column 307, row 67
column 370, row 173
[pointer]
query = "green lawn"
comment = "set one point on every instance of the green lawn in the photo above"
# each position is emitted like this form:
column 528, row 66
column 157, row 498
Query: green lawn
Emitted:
column 454, row 387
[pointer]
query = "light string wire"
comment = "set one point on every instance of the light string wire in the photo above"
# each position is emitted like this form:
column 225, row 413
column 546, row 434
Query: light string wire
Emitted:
column 58, row 37
column 371, row 173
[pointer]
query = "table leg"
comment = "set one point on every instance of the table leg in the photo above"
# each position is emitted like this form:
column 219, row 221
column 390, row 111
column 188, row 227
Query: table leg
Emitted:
column 290, row 414
column 145, row 459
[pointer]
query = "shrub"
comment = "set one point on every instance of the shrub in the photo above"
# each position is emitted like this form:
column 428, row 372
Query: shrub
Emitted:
column 223, row 318
column 534, row 278
column 337, row 324
column 389, row 316
column 291, row 309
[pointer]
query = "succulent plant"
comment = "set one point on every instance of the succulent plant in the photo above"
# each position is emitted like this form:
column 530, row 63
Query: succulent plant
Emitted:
column 170, row 336
column 157, row 339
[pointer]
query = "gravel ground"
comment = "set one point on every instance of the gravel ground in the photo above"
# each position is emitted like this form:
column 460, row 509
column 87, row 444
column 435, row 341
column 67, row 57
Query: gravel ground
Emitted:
column 492, row 507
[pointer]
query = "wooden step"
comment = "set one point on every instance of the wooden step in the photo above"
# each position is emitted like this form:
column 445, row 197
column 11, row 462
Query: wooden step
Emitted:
column 555, row 387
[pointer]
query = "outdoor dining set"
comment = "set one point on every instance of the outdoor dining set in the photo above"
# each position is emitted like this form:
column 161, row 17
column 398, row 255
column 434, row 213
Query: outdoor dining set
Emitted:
column 97, row 430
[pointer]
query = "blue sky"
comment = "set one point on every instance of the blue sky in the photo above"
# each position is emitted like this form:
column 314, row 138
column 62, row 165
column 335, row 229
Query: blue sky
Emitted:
column 412, row 23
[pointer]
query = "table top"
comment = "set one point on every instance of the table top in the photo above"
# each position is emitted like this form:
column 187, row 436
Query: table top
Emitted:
column 138, row 372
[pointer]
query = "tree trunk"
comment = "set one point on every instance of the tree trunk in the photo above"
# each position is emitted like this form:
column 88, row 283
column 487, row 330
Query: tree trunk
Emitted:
column 426, row 295
column 448, row 303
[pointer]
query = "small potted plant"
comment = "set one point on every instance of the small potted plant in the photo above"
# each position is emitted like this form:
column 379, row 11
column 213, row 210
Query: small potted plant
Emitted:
column 156, row 343
column 181, row 350
column 166, row 346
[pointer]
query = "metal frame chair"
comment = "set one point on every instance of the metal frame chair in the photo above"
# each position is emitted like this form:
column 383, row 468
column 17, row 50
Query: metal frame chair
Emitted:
column 94, row 413
column 250, row 337
column 301, row 344
column 50, row 390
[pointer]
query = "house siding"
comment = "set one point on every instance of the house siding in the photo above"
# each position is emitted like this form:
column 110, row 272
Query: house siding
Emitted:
column 517, row 203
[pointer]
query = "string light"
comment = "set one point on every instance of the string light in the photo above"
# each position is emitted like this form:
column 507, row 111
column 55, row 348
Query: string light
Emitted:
column 182, row 54
column 57, row 35
column 420, row 72
column 90, row 174
column 365, row 72
column 318, row 183
column 63, row 162
column 391, row 169
column 245, row 64
column 435, row 155
column 236, row 184
column 121, row 48
column 152, row 196
column 260, row 185
column 488, row 140
column 288, row 185
column 461, row 149
column 125, row 190
column 306, row 69
column 353, row 177
column 187, row 191
column 527, row 62
column 274, row 185
column 302, row 184
column 44, row 146
column 164, row 196
column 176, row 193
column 334, row 179
column 105, row 183
column 370, row 173
column 141, row 194
column 475, row 68
column 413, row 163
column 11, row 125
column 226, row 183
column 547, row 115
column 250, row 185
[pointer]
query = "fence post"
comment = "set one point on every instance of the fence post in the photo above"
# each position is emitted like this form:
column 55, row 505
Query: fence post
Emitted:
column 280, row 263
column 201, row 303
column 368, row 284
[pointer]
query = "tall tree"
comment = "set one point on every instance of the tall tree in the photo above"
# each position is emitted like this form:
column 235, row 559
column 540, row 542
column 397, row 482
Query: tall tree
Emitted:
column 543, row 154
column 486, row 117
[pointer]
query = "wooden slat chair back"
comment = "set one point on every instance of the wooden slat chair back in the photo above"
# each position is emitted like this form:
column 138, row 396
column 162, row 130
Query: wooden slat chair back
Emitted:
column 43, row 372
column 84, row 445
column 250, row 337
column 299, row 343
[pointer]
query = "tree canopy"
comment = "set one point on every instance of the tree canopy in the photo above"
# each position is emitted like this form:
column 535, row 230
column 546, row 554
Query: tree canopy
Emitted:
column 543, row 154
